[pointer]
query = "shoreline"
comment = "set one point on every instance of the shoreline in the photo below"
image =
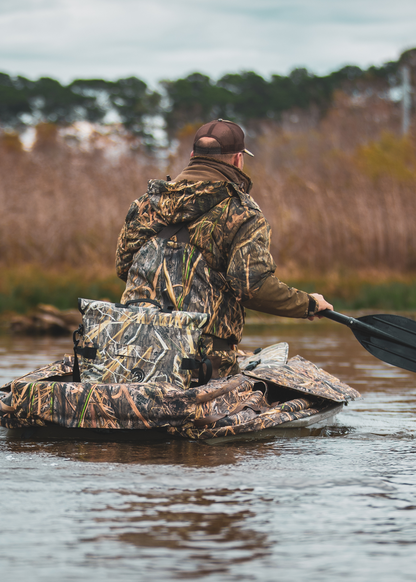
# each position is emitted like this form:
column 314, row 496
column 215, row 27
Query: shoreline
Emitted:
column 26, row 287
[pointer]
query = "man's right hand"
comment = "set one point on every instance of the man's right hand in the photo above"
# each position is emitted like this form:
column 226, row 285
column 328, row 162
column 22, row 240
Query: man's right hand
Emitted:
column 322, row 304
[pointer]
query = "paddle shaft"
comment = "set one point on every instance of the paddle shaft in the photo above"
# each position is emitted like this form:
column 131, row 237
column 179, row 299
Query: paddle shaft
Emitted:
column 360, row 326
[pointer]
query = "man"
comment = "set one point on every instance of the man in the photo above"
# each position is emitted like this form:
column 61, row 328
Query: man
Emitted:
column 201, row 243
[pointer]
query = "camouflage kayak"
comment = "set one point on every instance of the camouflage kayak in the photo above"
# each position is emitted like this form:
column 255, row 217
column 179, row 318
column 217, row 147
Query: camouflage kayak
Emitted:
column 270, row 392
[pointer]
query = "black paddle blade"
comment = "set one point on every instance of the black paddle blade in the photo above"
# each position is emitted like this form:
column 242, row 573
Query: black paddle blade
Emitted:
column 399, row 349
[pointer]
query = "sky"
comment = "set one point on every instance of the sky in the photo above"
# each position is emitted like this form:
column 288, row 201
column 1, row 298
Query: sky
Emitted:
column 169, row 39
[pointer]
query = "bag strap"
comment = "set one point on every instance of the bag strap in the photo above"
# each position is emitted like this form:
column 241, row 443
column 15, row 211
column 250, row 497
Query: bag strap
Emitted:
column 169, row 309
column 193, row 364
column 87, row 352
column 75, row 372
column 132, row 301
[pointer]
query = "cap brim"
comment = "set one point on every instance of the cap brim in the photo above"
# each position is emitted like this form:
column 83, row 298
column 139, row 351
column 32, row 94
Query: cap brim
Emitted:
column 248, row 153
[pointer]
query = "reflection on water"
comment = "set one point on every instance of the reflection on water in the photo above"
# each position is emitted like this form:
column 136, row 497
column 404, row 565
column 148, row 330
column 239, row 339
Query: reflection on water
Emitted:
column 317, row 505
column 19, row 355
column 209, row 526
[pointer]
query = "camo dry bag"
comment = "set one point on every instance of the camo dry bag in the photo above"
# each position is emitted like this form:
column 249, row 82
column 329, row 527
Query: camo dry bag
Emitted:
column 123, row 343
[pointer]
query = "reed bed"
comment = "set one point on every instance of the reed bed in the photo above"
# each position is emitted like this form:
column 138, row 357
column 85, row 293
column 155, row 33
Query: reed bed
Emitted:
column 63, row 207
column 342, row 196
column 339, row 194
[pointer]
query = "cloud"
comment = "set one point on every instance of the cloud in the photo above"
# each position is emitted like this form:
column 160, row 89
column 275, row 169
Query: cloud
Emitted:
column 69, row 39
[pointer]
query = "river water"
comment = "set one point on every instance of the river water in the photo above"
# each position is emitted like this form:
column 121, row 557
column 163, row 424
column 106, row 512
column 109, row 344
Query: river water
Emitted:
column 317, row 505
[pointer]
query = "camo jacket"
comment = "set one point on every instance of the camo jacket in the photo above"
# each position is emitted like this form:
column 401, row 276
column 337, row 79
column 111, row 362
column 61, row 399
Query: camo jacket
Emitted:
column 225, row 264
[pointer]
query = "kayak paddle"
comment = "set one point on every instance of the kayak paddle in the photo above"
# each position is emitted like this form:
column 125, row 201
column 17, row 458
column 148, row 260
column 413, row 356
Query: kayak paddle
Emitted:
column 390, row 338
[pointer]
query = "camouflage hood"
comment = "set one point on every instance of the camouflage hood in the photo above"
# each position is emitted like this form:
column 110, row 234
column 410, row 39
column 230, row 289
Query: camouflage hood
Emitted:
column 201, row 186
column 173, row 202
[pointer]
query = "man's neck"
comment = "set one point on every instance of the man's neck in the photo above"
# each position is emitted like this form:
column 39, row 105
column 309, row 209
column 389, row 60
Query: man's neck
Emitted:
column 213, row 170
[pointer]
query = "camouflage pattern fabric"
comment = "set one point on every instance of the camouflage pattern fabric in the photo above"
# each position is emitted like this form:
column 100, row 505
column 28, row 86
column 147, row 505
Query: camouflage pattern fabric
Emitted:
column 137, row 343
column 303, row 376
column 272, row 357
column 224, row 363
column 226, row 262
column 227, row 406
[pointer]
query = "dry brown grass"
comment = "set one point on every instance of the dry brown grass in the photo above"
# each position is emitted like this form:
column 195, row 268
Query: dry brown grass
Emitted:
column 340, row 196
column 65, row 207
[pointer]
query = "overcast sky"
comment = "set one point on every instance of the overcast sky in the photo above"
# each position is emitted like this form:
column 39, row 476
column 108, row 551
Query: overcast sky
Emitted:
column 168, row 39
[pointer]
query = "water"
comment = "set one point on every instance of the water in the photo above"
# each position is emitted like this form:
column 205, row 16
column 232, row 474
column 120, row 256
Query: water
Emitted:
column 320, row 505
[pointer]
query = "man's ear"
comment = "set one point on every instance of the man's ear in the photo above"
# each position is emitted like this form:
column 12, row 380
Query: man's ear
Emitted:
column 238, row 160
column 192, row 153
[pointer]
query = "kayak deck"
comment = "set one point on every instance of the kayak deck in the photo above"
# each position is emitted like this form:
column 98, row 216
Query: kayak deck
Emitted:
column 270, row 392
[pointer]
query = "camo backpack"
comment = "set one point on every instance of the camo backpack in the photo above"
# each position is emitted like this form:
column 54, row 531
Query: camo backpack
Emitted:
column 123, row 343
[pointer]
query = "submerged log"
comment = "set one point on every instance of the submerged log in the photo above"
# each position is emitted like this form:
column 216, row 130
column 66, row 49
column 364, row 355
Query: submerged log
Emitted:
column 46, row 320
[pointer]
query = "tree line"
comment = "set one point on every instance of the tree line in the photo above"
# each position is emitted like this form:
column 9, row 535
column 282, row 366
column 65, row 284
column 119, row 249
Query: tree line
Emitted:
column 241, row 97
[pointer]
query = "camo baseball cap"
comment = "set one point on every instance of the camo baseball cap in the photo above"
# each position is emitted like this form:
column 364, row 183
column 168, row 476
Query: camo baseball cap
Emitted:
column 229, row 135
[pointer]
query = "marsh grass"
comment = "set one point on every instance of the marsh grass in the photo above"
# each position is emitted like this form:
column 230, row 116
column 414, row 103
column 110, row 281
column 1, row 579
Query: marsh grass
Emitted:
column 369, row 290
column 63, row 207
column 25, row 287
column 340, row 196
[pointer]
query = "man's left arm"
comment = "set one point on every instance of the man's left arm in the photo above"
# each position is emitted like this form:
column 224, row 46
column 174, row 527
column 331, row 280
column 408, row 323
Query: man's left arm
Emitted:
column 249, row 258
column 251, row 275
